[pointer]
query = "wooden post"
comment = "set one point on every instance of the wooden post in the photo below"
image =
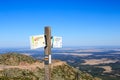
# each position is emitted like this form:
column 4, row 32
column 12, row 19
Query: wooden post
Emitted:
column 47, row 53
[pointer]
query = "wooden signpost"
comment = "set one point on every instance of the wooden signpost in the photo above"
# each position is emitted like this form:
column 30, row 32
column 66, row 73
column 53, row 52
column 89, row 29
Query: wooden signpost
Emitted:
column 46, row 41
column 47, row 53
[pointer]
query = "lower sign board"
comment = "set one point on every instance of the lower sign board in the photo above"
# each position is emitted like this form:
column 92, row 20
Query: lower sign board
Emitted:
column 57, row 42
column 37, row 41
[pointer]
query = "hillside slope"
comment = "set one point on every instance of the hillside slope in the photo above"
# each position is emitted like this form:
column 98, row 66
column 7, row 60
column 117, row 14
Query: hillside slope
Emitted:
column 15, row 66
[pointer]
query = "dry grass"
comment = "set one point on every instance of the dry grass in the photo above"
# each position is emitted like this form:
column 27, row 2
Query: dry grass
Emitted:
column 76, row 54
column 33, row 66
column 107, row 69
column 98, row 61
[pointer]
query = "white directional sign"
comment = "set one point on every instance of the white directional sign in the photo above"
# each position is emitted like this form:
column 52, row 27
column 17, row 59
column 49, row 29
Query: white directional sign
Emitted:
column 37, row 41
column 50, row 61
column 57, row 42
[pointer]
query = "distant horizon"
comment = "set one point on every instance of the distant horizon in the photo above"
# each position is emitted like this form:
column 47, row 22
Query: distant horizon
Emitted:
column 28, row 47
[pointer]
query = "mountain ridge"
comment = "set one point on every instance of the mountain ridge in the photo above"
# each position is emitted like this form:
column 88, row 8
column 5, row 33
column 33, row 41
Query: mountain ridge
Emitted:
column 16, row 66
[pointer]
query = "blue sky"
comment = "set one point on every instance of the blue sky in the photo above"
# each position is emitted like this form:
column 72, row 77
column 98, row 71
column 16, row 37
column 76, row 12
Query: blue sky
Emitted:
column 79, row 22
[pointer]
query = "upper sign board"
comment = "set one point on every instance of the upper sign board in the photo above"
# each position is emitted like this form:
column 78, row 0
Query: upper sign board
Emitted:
column 37, row 41
column 56, row 42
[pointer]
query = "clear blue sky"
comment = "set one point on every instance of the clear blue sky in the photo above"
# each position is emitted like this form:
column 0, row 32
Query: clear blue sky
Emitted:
column 79, row 22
